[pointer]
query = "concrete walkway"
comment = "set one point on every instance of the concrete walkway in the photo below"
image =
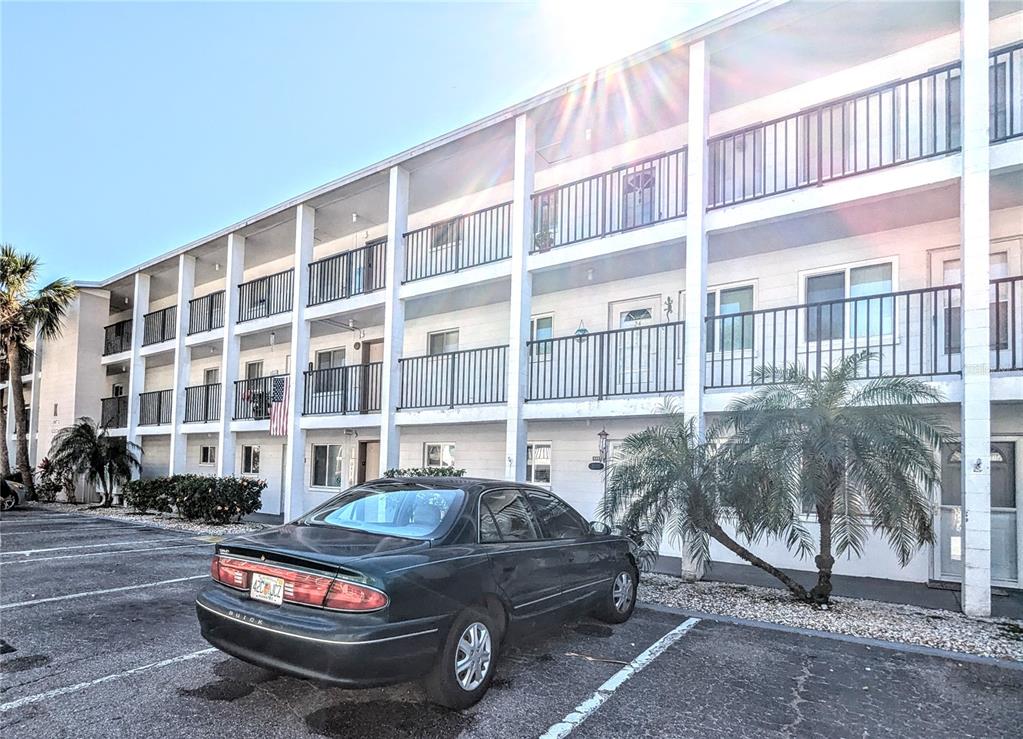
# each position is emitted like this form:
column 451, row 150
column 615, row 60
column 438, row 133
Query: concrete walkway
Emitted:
column 1004, row 603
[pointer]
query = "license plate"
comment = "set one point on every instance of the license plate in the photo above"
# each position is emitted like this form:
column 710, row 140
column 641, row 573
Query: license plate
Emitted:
column 267, row 589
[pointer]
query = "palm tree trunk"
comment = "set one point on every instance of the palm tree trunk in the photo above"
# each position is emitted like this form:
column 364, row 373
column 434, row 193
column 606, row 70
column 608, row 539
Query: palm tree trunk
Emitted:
column 5, row 454
column 20, row 417
column 719, row 535
column 825, row 561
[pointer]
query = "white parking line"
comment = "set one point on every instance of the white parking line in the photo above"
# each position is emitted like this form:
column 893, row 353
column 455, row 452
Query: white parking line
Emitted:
column 105, row 591
column 100, row 554
column 27, row 552
column 65, row 529
column 565, row 727
column 105, row 679
column 37, row 519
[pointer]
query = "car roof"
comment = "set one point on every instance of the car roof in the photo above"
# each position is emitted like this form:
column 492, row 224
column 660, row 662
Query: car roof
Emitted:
column 459, row 483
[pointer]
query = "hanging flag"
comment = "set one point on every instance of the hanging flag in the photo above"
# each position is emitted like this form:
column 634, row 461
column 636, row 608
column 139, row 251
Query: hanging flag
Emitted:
column 279, row 392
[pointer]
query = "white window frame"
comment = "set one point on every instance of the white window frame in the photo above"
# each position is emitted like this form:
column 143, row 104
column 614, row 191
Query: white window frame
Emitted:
column 427, row 444
column 312, row 467
column 847, row 268
column 331, row 350
column 550, row 462
column 256, row 448
column 205, row 375
column 535, row 355
column 443, row 331
column 262, row 369
column 209, row 451
column 716, row 290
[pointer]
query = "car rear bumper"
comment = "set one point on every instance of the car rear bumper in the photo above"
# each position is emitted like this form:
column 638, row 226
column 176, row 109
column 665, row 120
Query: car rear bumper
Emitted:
column 317, row 644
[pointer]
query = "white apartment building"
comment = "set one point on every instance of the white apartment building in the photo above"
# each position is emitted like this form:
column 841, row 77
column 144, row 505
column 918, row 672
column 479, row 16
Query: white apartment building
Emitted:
column 794, row 181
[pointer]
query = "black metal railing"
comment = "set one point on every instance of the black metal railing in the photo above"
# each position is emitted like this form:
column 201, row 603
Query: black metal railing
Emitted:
column 351, row 389
column 117, row 337
column 907, row 334
column 1007, row 324
column 349, row 273
column 1006, row 95
column 206, row 313
column 895, row 123
column 630, row 196
column 464, row 241
column 113, row 412
column 155, row 407
column 159, row 325
column 628, row 361
column 253, row 398
column 202, row 403
column 265, row 296
column 468, row 377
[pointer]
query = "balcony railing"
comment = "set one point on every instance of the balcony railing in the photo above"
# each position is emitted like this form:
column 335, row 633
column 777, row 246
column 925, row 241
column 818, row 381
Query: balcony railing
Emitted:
column 202, row 403
column 349, row 273
column 1007, row 324
column 253, row 398
column 113, row 412
column 117, row 337
column 465, row 241
column 896, row 123
column 629, row 361
column 630, row 196
column 159, row 325
column 351, row 389
column 155, row 407
column 469, row 377
column 206, row 313
column 265, row 296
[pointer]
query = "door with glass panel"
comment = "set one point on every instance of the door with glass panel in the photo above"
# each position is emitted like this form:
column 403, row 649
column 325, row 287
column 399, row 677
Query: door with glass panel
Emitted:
column 634, row 347
column 330, row 387
column 1006, row 541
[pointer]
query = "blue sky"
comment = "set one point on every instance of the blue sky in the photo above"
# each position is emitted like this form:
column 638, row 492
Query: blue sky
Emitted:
column 129, row 129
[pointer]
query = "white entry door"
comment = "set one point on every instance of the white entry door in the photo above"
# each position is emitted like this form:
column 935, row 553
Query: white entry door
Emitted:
column 1006, row 527
column 634, row 344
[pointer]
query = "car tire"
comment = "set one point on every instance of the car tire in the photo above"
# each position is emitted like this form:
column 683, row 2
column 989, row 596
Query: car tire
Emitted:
column 8, row 502
column 619, row 599
column 474, row 636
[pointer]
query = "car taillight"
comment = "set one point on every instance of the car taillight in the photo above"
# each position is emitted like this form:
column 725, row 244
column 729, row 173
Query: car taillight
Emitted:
column 308, row 589
column 350, row 596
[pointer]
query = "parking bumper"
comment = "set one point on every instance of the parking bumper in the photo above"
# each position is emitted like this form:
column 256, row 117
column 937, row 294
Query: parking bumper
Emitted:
column 317, row 644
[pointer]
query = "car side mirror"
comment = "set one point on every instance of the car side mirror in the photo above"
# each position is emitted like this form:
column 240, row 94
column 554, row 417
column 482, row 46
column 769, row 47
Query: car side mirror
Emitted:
column 599, row 528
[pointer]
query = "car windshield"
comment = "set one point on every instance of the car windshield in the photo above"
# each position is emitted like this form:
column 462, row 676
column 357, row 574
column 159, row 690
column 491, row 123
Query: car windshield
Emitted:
column 403, row 509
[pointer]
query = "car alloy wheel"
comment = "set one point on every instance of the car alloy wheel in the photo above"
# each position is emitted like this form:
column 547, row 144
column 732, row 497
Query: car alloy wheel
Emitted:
column 623, row 592
column 7, row 502
column 472, row 657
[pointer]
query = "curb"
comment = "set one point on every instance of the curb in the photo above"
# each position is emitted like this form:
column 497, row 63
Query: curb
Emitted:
column 1006, row 664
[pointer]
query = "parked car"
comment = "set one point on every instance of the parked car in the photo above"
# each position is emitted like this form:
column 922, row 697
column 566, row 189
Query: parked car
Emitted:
column 413, row 578
column 11, row 494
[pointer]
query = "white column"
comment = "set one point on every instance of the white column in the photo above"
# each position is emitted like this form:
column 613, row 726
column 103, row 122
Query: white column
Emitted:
column 182, row 364
column 696, row 255
column 33, row 410
column 974, row 220
column 294, row 463
column 229, row 364
column 394, row 317
column 137, row 364
column 521, row 297
column 696, row 236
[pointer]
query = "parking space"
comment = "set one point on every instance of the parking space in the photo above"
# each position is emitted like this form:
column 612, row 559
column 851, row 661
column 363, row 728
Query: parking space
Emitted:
column 107, row 645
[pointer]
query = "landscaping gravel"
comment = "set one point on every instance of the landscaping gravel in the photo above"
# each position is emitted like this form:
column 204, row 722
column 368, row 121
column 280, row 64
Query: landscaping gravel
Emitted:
column 162, row 520
column 956, row 632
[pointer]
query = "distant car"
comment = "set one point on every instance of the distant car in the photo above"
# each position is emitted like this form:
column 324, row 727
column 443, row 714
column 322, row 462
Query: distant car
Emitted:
column 410, row 578
column 11, row 494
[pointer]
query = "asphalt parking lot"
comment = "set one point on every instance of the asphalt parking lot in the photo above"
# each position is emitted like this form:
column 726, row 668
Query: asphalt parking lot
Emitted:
column 127, row 660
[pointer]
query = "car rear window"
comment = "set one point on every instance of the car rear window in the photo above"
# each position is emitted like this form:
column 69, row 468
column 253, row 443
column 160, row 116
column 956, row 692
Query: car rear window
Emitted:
column 411, row 511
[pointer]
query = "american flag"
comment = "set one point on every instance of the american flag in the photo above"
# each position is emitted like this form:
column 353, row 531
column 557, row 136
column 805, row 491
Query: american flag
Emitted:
column 279, row 392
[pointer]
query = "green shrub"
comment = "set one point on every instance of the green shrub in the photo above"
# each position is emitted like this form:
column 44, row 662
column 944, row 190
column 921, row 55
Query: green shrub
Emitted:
column 217, row 500
column 155, row 494
column 425, row 472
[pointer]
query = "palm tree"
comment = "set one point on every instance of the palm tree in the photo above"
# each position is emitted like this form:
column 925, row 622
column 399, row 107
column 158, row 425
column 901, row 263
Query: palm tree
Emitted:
column 104, row 460
column 861, row 454
column 25, row 311
column 667, row 482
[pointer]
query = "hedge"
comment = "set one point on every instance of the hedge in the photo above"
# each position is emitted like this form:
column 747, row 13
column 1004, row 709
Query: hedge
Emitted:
column 425, row 472
column 216, row 500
